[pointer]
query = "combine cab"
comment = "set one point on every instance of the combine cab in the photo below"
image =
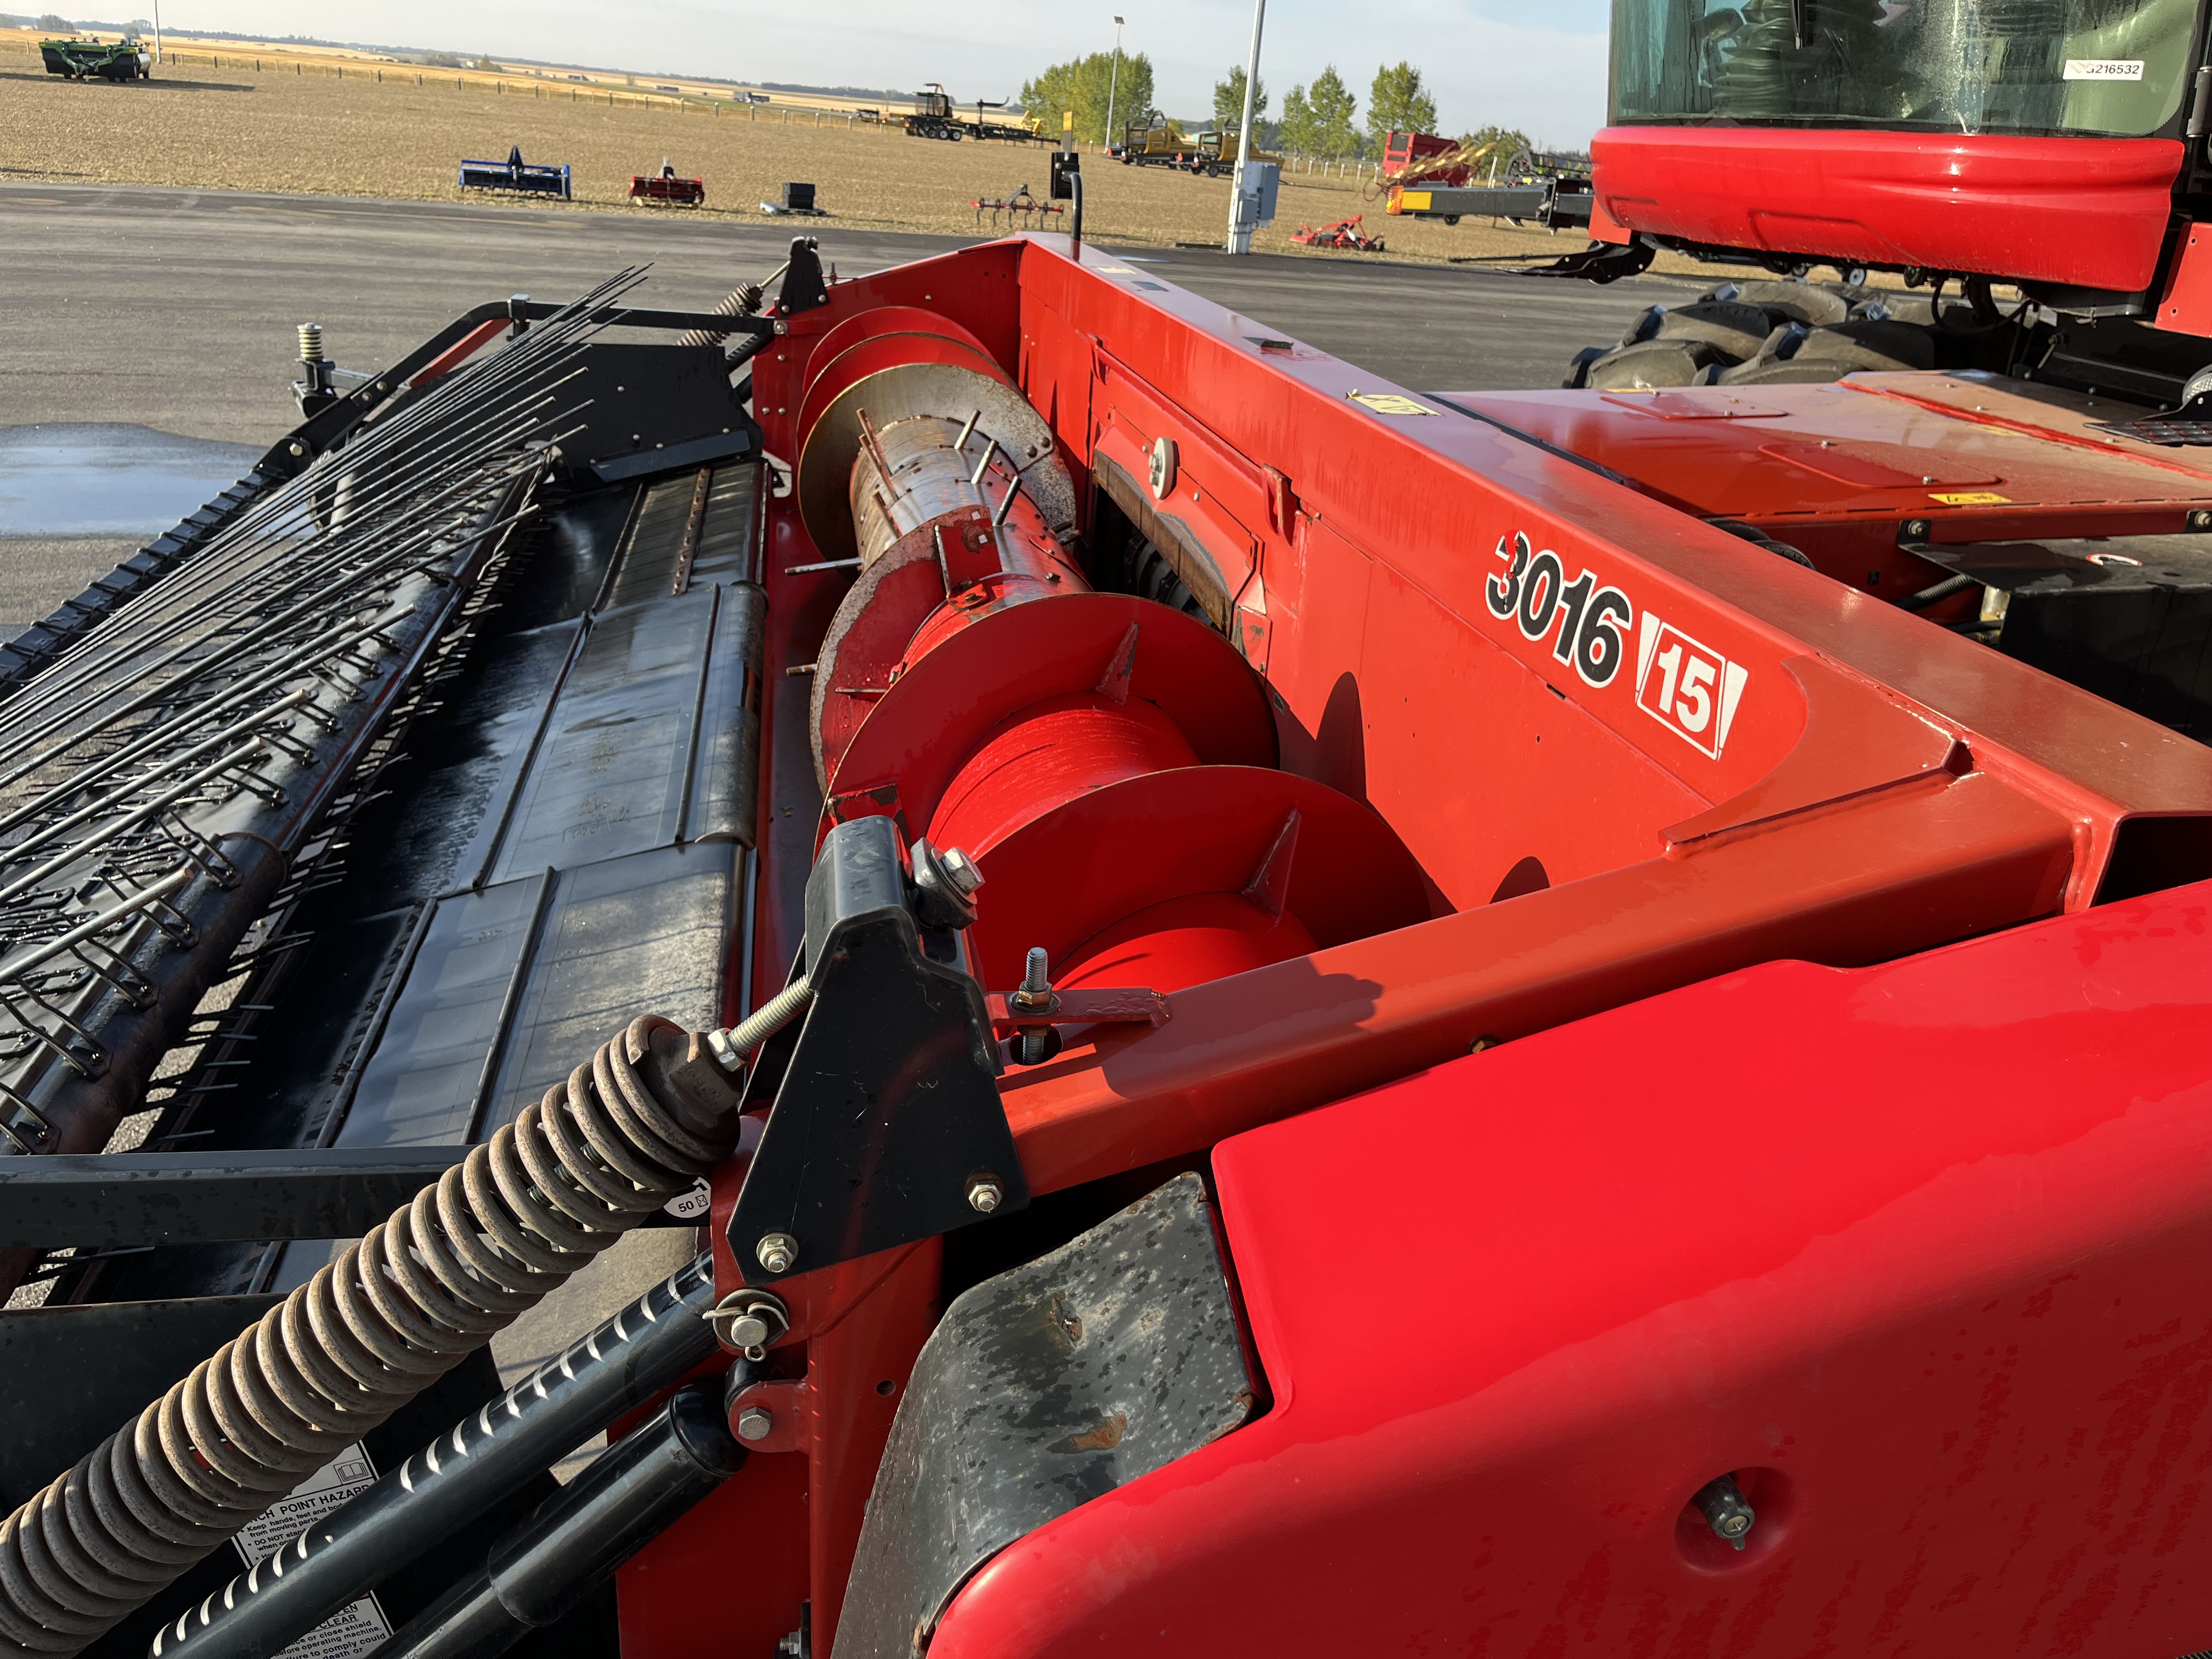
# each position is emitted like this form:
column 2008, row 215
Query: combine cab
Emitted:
column 86, row 59
column 1164, row 999
column 516, row 177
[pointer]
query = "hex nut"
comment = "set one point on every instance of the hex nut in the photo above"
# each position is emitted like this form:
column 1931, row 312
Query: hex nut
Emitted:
column 962, row 869
column 777, row 1252
column 754, row 1423
column 985, row 1192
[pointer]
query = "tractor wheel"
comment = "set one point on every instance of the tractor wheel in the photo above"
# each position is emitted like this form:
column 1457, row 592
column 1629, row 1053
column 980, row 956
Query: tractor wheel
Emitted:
column 1737, row 329
column 1651, row 364
column 1804, row 302
column 1797, row 356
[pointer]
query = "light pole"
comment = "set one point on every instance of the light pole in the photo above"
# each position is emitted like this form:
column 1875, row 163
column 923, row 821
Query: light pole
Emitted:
column 1240, row 233
column 1113, row 85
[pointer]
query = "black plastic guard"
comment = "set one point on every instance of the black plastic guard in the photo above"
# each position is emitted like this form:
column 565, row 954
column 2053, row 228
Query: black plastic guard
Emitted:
column 889, row 1111
column 1041, row 1389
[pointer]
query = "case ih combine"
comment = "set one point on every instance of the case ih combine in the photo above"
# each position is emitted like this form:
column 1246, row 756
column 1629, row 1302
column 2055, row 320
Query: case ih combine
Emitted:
column 1295, row 1018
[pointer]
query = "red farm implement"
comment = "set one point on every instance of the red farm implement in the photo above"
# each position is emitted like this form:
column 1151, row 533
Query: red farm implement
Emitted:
column 1345, row 234
column 665, row 187
column 1188, row 1003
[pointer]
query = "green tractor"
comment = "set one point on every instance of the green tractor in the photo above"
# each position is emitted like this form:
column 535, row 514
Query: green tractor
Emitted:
column 82, row 59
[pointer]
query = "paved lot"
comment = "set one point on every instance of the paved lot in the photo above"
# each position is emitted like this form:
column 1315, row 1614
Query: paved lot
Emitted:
column 173, row 310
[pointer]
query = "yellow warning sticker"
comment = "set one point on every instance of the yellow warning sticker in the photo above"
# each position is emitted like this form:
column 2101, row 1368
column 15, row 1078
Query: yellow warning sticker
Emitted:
column 1390, row 402
column 1415, row 201
column 1972, row 498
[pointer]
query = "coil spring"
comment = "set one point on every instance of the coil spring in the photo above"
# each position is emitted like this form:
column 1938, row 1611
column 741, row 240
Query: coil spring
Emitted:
column 340, row 1353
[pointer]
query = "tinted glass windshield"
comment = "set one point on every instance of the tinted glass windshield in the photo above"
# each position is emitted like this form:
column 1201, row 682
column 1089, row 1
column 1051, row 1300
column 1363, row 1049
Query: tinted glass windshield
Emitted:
column 2015, row 66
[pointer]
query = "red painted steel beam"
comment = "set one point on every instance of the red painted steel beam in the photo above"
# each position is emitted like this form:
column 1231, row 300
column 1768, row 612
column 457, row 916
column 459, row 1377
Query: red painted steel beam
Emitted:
column 1921, row 1253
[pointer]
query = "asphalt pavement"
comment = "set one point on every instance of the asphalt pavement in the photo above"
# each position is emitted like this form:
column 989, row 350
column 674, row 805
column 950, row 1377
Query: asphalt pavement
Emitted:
column 174, row 310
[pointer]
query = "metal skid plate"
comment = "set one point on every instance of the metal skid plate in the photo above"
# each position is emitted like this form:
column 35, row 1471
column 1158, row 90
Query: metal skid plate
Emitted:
column 889, row 1111
column 1042, row 1389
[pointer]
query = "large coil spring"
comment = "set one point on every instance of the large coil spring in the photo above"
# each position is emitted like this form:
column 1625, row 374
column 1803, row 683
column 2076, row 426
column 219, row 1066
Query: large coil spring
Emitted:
column 340, row 1353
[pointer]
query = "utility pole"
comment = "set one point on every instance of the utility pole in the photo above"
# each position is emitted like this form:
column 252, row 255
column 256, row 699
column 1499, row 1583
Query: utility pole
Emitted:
column 1240, row 233
column 1113, row 85
column 157, row 31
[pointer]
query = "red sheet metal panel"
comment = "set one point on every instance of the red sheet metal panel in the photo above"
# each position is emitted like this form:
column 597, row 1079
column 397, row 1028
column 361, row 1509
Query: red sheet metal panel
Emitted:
column 2091, row 212
column 1921, row 1252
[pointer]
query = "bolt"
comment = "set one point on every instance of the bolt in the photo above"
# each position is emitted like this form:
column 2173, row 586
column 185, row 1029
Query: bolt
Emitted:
column 1034, row 1046
column 1916, row 528
column 296, row 447
column 2200, row 520
column 754, row 1423
column 962, row 869
column 778, row 1252
column 985, row 1192
column 1721, row 1503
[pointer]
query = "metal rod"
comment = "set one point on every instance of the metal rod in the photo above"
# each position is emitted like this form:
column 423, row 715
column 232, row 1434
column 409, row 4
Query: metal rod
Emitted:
column 461, row 1473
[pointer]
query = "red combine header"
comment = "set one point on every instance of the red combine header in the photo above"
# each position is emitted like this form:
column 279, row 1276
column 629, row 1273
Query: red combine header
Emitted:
column 1259, row 1013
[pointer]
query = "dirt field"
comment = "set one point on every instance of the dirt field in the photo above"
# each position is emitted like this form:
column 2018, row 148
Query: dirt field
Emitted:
column 294, row 125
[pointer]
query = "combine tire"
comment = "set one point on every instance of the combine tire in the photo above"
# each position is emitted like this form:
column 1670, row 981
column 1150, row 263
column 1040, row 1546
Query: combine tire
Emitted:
column 1797, row 356
column 1651, row 364
column 1798, row 303
column 1737, row 330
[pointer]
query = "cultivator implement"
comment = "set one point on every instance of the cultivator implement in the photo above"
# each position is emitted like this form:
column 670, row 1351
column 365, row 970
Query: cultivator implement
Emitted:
column 666, row 187
column 517, row 177
column 1076, row 981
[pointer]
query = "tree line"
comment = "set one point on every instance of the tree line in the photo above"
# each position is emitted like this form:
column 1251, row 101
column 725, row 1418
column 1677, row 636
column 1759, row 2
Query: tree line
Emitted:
column 1319, row 117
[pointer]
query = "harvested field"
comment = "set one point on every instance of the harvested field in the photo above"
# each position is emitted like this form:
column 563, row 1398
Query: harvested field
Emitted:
column 294, row 125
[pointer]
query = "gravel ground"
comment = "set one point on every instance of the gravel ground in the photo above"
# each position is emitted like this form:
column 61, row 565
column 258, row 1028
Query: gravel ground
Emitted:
column 235, row 129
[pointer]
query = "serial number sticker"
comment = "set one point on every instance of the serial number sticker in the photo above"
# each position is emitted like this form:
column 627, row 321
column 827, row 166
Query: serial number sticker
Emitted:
column 1688, row 688
column 2104, row 69
column 1972, row 498
column 1390, row 402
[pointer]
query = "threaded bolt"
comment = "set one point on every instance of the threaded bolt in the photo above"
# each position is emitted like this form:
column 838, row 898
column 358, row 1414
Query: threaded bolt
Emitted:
column 777, row 1252
column 311, row 342
column 754, row 1423
column 1035, row 995
column 985, row 1192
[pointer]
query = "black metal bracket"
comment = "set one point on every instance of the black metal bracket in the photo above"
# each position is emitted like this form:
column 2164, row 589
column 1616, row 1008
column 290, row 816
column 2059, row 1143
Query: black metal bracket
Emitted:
column 1600, row 263
column 804, row 288
column 887, row 1126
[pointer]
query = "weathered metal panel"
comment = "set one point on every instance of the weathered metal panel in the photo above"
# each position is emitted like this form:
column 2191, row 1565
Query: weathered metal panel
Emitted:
column 1042, row 1389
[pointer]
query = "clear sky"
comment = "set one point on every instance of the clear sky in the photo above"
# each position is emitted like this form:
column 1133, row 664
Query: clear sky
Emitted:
column 1535, row 65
